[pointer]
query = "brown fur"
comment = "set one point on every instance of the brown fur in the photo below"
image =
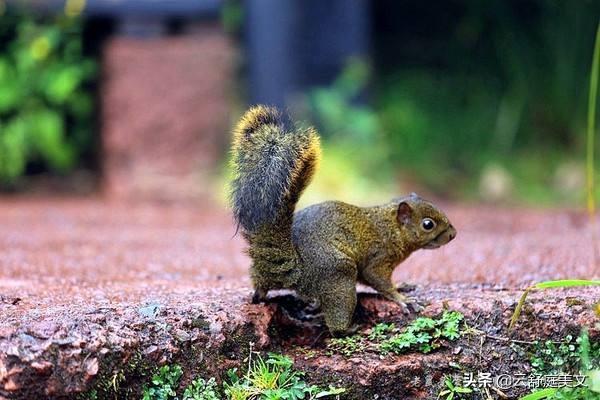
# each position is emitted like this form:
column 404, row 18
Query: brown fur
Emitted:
column 323, row 250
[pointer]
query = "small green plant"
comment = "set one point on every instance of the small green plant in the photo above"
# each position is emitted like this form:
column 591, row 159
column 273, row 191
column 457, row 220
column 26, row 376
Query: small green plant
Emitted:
column 272, row 379
column 540, row 394
column 164, row 384
column 378, row 332
column 92, row 395
column 565, row 356
column 570, row 356
column 200, row 389
column 348, row 345
column 424, row 334
column 348, row 127
column 547, row 285
column 453, row 391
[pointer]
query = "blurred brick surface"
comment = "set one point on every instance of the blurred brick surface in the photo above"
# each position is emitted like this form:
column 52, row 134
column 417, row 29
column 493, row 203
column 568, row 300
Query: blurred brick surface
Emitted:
column 165, row 113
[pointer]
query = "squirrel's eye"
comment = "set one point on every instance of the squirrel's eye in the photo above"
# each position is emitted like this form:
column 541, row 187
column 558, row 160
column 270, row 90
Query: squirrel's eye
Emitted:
column 427, row 224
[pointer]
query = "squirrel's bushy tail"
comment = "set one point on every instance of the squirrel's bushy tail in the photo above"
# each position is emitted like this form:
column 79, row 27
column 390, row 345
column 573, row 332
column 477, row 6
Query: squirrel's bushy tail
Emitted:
column 272, row 164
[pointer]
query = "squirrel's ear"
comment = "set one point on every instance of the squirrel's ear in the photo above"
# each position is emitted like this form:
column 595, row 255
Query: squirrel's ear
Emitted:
column 404, row 213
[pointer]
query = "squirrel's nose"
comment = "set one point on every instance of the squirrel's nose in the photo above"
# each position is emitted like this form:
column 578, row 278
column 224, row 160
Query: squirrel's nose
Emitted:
column 452, row 233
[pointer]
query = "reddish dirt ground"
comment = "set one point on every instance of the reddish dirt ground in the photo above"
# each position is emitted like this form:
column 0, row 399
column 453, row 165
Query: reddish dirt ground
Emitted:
column 81, row 246
column 77, row 274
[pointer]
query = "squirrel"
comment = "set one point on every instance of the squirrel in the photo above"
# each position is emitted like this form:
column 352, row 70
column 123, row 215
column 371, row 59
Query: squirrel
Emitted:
column 322, row 251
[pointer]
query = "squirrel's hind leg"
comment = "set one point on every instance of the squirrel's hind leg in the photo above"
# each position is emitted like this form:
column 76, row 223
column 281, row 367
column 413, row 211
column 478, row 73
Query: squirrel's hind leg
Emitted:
column 338, row 303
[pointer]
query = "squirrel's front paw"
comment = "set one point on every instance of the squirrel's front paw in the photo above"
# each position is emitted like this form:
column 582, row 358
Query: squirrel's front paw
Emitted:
column 405, row 287
column 416, row 306
column 408, row 304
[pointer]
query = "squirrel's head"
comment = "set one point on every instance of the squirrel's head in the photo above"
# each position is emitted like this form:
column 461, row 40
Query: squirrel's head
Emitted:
column 426, row 224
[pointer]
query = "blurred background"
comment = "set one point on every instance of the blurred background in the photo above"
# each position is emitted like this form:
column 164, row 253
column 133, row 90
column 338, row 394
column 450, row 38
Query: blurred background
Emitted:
column 462, row 100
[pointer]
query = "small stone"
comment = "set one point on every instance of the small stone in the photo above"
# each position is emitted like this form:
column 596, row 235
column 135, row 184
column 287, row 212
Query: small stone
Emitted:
column 151, row 350
column 91, row 367
column 13, row 351
column 42, row 329
column 64, row 341
column 11, row 385
column 201, row 323
column 181, row 335
column 6, row 332
column 42, row 367
column 215, row 328
column 3, row 371
column 14, row 371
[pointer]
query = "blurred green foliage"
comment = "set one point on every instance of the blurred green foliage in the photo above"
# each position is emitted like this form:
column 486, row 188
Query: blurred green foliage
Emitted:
column 477, row 100
column 357, row 164
column 45, row 107
column 232, row 15
column 500, row 82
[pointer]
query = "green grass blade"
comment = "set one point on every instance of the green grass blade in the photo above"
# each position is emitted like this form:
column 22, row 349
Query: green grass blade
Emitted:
column 540, row 394
column 565, row 283
column 517, row 313
column 591, row 205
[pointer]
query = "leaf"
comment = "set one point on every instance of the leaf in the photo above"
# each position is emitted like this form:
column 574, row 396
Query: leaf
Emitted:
column 13, row 149
column 591, row 122
column 540, row 394
column 330, row 392
column 566, row 283
column 463, row 390
column 63, row 84
column 280, row 360
column 422, row 337
column 594, row 380
column 12, row 92
column 547, row 285
column 47, row 131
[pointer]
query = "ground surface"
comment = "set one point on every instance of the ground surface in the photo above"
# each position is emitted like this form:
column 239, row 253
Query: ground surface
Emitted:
column 86, row 286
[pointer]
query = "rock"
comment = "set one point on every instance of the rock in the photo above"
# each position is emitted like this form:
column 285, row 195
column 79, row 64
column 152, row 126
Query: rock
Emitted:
column 365, row 375
column 42, row 367
column 91, row 366
column 11, row 385
column 182, row 335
